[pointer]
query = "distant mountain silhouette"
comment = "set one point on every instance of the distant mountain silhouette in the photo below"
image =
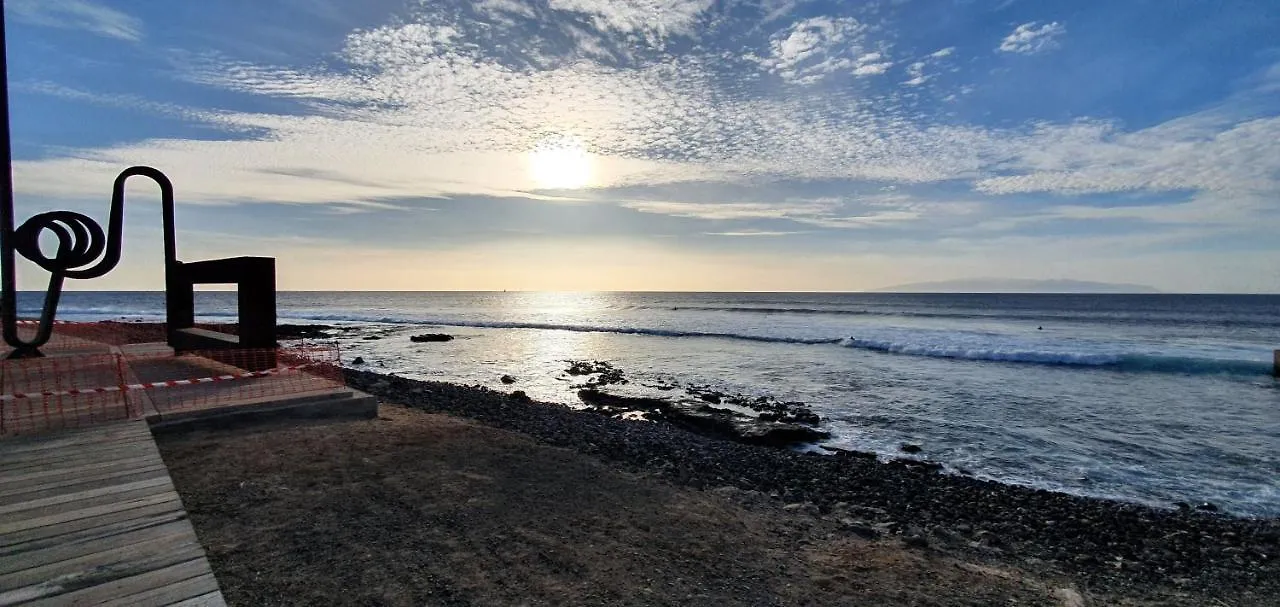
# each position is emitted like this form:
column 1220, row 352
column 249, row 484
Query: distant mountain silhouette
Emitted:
column 1017, row 285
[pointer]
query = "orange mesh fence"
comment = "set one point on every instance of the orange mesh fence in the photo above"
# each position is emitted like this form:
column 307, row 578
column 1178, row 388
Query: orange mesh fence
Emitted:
column 51, row 393
column 56, row 392
column 223, row 378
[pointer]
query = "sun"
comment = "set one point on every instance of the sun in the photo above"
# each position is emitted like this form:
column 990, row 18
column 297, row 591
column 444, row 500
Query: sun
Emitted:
column 560, row 163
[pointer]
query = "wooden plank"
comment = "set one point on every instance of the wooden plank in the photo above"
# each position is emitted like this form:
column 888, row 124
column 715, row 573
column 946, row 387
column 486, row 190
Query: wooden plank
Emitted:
column 161, row 487
column 87, row 442
column 9, row 527
column 108, row 565
column 87, row 497
column 52, row 595
column 73, row 485
column 70, row 446
column 65, row 551
column 91, row 528
column 90, row 472
column 77, row 458
column 200, row 590
column 76, row 436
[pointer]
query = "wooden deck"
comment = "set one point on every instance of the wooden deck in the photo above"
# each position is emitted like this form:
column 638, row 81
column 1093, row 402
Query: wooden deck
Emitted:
column 90, row 516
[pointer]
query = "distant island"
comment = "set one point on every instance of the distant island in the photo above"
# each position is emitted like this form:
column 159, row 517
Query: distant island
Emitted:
column 1017, row 285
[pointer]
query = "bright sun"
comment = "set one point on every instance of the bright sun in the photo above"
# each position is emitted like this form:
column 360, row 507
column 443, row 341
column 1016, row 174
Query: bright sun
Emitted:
column 560, row 163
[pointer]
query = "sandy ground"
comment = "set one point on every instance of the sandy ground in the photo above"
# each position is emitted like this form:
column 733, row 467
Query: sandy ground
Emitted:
column 424, row 509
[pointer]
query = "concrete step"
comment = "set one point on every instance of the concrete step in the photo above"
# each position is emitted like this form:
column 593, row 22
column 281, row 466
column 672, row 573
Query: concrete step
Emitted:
column 341, row 403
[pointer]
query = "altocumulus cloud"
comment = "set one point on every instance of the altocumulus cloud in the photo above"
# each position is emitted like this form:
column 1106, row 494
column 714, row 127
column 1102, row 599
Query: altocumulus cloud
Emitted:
column 448, row 98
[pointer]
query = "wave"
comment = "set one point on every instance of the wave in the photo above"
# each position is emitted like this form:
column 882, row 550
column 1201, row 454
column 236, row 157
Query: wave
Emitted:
column 1040, row 316
column 498, row 324
column 1117, row 362
column 1128, row 362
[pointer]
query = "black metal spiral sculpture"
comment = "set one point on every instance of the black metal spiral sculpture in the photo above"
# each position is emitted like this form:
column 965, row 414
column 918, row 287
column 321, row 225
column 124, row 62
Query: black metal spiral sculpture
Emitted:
column 81, row 242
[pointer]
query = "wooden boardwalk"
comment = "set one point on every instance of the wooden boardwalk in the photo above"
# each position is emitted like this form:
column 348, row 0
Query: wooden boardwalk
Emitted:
column 91, row 517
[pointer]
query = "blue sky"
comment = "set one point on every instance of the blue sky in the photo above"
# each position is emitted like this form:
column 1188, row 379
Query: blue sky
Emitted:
column 665, row 144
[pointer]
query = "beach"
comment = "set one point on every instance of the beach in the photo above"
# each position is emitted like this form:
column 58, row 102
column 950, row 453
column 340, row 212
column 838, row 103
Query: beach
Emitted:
column 467, row 495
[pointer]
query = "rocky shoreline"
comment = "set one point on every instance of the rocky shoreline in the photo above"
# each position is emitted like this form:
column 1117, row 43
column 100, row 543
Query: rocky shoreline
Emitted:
column 1108, row 545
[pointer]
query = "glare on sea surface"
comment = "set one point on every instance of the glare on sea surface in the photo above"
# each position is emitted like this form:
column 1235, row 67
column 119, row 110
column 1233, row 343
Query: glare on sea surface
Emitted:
column 560, row 163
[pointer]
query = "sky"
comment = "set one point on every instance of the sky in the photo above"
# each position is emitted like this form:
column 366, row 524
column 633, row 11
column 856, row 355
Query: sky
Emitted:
column 663, row 144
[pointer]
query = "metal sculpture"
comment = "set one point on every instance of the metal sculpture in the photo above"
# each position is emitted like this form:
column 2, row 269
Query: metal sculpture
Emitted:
column 85, row 251
column 81, row 241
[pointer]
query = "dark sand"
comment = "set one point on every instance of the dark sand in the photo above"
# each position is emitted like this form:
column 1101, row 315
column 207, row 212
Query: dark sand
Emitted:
column 417, row 508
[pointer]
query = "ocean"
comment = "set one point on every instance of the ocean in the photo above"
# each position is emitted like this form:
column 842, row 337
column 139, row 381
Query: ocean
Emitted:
column 1147, row 398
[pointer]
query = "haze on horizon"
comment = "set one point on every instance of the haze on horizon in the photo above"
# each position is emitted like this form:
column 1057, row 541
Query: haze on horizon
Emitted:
column 761, row 145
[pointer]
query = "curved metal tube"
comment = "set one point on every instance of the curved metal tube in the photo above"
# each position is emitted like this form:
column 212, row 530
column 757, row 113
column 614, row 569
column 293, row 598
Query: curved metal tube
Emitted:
column 81, row 241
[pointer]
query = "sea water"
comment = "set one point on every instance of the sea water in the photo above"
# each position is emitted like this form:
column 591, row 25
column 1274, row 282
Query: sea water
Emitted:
column 1148, row 398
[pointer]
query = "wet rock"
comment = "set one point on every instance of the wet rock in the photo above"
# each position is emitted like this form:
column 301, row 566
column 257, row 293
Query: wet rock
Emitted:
column 287, row 331
column 371, row 337
column 520, row 396
column 359, row 360
column 909, row 448
column 778, row 434
column 507, row 379
column 605, row 374
column 1207, row 507
column 711, row 398
column 918, row 466
column 705, row 419
column 426, row 337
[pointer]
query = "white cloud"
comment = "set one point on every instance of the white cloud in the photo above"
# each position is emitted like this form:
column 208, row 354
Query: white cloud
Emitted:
column 945, row 52
column 1028, row 38
column 506, row 8
column 77, row 14
column 916, row 71
column 654, row 20
column 753, row 233
column 814, row 48
column 1202, row 152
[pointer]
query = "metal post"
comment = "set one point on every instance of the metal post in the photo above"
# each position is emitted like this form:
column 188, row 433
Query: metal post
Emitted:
column 8, row 273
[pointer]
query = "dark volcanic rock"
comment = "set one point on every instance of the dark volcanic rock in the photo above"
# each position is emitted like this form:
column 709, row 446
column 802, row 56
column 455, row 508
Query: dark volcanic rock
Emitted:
column 507, row 379
column 372, row 337
column 359, row 360
column 520, row 396
column 909, row 448
column 605, row 374
column 430, row 337
column 287, row 331
column 1107, row 544
column 706, row 419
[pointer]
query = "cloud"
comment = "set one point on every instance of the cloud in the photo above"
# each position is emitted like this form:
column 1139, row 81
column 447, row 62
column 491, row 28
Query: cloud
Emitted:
column 916, row 71
column 79, row 15
column 1028, row 39
column 654, row 20
column 814, row 48
column 748, row 233
column 1202, row 152
column 426, row 109
column 825, row 212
